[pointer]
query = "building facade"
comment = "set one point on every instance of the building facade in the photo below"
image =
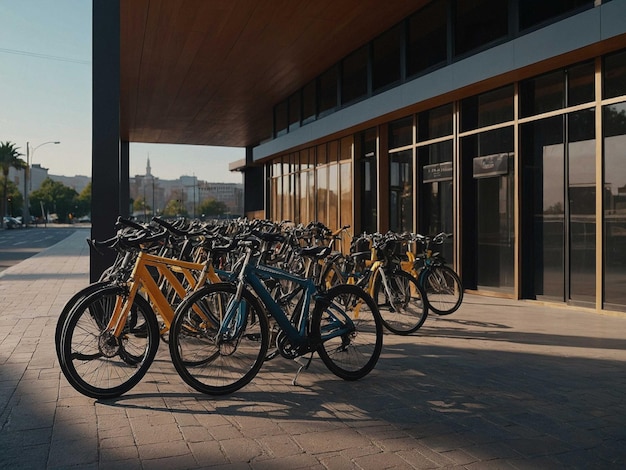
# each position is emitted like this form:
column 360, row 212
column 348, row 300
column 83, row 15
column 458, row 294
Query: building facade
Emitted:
column 500, row 122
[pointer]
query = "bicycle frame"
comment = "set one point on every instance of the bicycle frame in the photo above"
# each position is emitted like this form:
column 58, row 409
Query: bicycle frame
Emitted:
column 253, row 275
column 141, row 278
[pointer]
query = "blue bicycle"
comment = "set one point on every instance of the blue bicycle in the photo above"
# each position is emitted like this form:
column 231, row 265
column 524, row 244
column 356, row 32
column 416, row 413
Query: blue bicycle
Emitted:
column 221, row 334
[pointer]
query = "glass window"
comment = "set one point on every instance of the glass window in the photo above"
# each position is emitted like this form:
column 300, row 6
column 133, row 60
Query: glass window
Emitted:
column 332, row 150
column 332, row 217
column 345, row 214
column 354, row 76
column 328, row 82
column 322, row 192
column 304, row 196
column 580, row 84
column 614, row 75
column 486, row 109
column 542, row 94
column 386, row 58
column 295, row 103
column 581, row 154
column 535, row 12
column 478, row 23
column 280, row 118
column 489, row 157
column 345, row 151
column 401, row 132
column 322, row 156
column 401, row 191
column 543, row 158
column 436, row 191
column 309, row 100
column 614, row 135
column 427, row 43
column 367, row 183
column 434, row 123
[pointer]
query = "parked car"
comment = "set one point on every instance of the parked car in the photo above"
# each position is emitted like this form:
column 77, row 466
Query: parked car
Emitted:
column 11, row 222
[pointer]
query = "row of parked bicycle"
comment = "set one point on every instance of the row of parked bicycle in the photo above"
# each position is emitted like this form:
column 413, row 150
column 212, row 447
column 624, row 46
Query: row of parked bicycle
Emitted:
column 228, row 296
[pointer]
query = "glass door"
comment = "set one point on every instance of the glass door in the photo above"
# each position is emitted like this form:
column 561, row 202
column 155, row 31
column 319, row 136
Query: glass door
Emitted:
column 559, row 248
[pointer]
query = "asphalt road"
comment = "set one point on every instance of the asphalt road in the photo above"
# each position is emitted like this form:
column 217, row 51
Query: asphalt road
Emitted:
column 18, row 244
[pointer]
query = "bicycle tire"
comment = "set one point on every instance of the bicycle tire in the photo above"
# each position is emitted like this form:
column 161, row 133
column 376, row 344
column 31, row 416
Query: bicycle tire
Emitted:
column 332, row 275
column 107, row 368
column 444, row 290
column 407, row 310
column 353, row 354
column 67, row 308
column 207, row 363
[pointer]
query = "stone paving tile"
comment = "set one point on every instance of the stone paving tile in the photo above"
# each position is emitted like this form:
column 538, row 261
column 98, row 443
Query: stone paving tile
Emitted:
column 499, row 384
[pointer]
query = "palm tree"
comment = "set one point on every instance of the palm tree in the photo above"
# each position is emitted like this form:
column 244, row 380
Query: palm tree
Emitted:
column 9, row 157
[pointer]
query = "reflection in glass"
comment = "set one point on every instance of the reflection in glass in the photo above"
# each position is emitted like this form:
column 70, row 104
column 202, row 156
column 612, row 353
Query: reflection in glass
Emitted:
column 386, row 58
column 543, row 157
column 614, row 134
column 365, row 152
column 436, row 195
column 535, row 12
column 354, row 76
column 614, row 75
column 478, row 23
column 427, row 43
column 332, row 217
column 401, row 132
column 345, row 215
column 542, row 94
column 581, row 150
column 492, row 107
column 435, row 123
column 322, row 192
column 327, row 86
column 580, row 84
column 401, row 191
column 494, row 192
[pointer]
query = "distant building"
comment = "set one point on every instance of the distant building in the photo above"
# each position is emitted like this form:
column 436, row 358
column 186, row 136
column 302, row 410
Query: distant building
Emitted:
column 189, row 190
column 77, row 182
column 37, row 176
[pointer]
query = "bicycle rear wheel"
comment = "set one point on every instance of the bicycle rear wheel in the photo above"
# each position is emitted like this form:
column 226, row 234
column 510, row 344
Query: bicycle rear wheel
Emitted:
column 96, row 363
column 403, row 308
column 444, row 290
column 347, row 323
column 214, row 362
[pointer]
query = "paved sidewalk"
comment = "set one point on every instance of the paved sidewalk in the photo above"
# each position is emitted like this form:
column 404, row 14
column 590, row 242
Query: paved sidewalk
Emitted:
column 499, row 384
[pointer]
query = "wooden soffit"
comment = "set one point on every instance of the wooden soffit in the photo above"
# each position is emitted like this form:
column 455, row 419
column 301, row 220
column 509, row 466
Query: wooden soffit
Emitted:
column 208, row 72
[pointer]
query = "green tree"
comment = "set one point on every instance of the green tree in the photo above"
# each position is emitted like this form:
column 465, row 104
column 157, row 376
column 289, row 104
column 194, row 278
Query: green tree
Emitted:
column 212, row 207
column 175, row 208
column 15, row 200
column 56, row 198
column 83, row 201
column 139, row 205
column 9, row 157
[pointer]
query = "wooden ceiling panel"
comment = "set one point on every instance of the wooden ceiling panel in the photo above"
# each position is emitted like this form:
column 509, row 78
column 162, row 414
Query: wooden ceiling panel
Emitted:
column 209, row 72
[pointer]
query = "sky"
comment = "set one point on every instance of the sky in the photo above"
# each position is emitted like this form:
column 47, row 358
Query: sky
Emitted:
column 45, row 96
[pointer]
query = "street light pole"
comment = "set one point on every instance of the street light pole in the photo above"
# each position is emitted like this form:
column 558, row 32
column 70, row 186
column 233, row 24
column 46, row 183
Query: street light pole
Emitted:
column 28, row 176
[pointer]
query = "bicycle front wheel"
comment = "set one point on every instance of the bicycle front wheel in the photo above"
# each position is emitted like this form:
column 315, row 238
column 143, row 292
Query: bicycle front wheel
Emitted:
column 348, row 326
column 98, row 364
column 212, row 357
column 444, row 290
column 69, row 305
column 401, row 304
